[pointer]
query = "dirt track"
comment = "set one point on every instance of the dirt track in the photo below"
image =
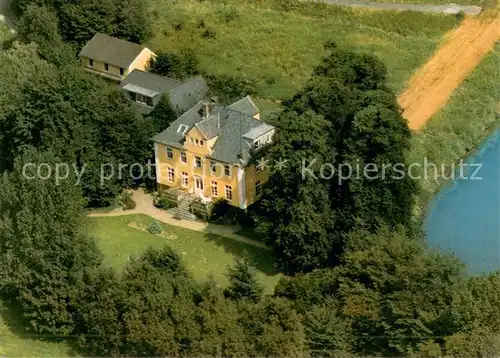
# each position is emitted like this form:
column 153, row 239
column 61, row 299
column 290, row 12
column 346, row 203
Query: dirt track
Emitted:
column 430, row 87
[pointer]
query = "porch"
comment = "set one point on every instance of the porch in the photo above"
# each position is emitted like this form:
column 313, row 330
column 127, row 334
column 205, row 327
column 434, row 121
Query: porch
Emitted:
column 188, row 203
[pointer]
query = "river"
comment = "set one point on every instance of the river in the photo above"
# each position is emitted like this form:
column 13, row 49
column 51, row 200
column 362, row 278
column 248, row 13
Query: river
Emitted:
column 464, row 217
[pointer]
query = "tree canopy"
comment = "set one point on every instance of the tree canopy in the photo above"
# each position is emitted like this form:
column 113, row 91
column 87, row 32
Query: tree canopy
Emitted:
column 81, row 119
column 331, row 188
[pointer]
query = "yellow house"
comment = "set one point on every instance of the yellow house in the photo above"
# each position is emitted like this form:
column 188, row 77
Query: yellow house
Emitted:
column 114, row 58
column 206, row 153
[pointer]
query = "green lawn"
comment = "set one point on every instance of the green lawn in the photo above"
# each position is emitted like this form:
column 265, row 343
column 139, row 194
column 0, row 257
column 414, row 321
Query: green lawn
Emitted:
column 15, row 342
column 278, row 44
column 459, row 128
column 204, row 254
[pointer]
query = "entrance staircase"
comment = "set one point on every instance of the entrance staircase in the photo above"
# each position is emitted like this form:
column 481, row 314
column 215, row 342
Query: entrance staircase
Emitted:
column 183, row 211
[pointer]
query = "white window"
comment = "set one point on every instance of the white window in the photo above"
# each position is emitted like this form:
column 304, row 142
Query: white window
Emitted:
column 197, row 142
column 227, row 170
column 215, row 192
column 257, row 143
column 182, row 129
column 258, row 189
column 213, row 166
column 170, row 153
column 191, row 140
column 201, row 143
column 185, row 179
column 269, row 138
column 197, row 161
column 171, row 174
column 183, row 157
column 229, row 193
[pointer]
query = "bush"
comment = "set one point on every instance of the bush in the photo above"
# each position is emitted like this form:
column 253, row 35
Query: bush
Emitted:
column 460, row 15
column 201, row 24
column 126, row 201
column 229, row 89
column 180, row 66
column 178, row 25
column 209, row 33
column 155, row 228
column 229, row 14
column 161, row 202
column 225, row 214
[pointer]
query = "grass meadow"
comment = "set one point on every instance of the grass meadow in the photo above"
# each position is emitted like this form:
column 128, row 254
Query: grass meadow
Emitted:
column 16, row 342
column 204, row 254
column 277, row 43
column 459, row 128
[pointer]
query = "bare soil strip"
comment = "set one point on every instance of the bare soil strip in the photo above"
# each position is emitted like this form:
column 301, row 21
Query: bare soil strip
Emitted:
column 431, row 86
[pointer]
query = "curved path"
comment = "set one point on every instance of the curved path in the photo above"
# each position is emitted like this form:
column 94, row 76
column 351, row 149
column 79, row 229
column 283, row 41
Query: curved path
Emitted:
column 445, row 9
column 431, row 87
column 144, row 205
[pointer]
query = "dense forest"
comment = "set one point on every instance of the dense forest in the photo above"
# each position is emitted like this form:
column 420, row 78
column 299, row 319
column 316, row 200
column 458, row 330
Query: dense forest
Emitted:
column 362, row 281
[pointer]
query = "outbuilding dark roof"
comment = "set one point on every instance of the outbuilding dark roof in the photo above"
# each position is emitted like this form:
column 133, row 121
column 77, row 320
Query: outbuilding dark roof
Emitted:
column 150, row 81
column 188, row 94
column 107, row 49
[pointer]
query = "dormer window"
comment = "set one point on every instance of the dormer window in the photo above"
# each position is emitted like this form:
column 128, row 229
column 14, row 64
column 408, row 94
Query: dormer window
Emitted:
column 182, row 129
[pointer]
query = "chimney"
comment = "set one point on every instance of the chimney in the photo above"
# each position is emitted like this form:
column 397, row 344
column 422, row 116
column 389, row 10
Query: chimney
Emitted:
column 206, row 109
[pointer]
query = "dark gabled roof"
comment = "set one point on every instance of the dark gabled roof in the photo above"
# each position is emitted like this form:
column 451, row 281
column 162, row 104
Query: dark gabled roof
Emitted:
column 209, row 127
column 116, row 52
column 230, row 145
column 231, row 127
column 150, row 81
column 245, row 105
column 188, row 94
column 171, row 136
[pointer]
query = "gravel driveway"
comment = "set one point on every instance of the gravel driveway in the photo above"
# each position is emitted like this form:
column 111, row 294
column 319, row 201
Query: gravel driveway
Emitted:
column 446, row 9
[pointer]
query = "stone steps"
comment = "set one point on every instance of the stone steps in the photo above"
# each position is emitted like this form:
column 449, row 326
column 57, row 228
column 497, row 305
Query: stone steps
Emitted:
column 183, row 211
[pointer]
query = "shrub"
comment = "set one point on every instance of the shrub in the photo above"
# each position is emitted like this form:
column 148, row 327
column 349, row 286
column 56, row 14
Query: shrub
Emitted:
column 180, row 66
column 161, row 202
column 126, row 201
column 460, row 15
column 209, row 33
column 229, row 14
column 229, row 89
column 178, row 25
column 155, row 228
column 225, row 214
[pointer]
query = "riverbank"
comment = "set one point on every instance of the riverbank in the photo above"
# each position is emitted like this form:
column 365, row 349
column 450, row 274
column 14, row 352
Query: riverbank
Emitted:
column 458, row 129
